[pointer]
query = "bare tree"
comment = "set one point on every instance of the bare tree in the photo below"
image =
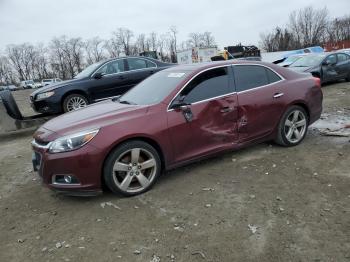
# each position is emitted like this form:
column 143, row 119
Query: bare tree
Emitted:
column 174, row 32
column 40, row 63
column 21, row 57
column 153, row 39
column 195, row 40
column 208, row 39
column 57, row 57
column 141, row 43
column 7, row 74
column 94, row 50
column 112, row 47
column 308, row 25
column 172, row 43
column 339, row 29
column 161, row 44
column 123, row 37
column 279, row 39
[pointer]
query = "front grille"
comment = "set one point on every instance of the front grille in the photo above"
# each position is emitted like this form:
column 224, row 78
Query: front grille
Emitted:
column 36, row 161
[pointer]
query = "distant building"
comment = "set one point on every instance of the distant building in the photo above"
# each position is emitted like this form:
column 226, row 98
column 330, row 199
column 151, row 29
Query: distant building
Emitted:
column 330, row 46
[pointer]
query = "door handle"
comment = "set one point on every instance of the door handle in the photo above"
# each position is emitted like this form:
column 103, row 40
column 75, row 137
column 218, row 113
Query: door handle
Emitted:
column 278, row 95
column 226, row 109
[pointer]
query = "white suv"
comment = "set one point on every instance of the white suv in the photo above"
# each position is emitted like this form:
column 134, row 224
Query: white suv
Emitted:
column 46, row 82
column 27, row 84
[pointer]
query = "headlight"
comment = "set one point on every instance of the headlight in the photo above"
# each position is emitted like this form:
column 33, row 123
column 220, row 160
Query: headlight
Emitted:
column 44, row 95
column 72, row 142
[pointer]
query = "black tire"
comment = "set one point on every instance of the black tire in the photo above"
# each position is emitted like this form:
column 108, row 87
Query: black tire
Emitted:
column 281, row 138
column 112, row 178
column 66, row 106
column 348, row 78
column 10, row 105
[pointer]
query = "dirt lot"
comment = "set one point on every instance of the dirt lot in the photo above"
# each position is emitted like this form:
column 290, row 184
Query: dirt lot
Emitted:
column 263, row 203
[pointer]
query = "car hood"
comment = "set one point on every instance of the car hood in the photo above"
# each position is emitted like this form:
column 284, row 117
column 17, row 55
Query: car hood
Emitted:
column 55, row 86
column 92, row 117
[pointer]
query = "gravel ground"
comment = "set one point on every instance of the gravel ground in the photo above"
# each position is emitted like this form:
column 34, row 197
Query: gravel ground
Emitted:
column 263, row 203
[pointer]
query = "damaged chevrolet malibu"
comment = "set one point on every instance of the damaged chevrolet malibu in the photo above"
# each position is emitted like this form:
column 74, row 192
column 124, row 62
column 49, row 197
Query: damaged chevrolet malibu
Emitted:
column 179, row 115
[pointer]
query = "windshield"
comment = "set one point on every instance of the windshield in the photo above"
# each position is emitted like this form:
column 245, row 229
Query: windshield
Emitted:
column 88, row 71
column 308, row 61
column 153, row 89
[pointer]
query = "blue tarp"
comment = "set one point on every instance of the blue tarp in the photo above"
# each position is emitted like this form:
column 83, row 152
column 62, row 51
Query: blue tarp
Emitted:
column 276, row 56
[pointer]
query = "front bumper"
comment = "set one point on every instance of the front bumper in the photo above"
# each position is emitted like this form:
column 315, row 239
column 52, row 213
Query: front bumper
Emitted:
column 51, row 105
column 85, row 164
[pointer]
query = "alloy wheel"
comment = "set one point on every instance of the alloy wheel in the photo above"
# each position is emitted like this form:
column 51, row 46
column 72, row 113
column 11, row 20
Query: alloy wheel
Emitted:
column 134, row 170
column 295, row 126
column 75, row 103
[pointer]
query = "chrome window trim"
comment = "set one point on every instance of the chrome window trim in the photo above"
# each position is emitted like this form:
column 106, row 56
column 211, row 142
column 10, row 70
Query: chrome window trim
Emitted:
column 232, row 65
column 204, row 70
column 121, row 58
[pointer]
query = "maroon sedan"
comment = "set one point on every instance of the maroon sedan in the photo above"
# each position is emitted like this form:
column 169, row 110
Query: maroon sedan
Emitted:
column 174, row 117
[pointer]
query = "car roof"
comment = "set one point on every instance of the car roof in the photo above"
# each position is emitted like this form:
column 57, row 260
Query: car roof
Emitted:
column 121, row 57
column 207, row 65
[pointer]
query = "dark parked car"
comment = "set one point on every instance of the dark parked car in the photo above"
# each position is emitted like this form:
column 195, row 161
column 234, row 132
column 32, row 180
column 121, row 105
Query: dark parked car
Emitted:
column 176, row 116
column 327, row 66
column 97, row 82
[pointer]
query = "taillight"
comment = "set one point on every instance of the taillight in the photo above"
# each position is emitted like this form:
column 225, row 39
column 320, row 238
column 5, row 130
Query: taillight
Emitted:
column 317, row 81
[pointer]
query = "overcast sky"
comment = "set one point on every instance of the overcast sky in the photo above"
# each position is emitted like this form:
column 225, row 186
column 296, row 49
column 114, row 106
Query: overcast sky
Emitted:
column 230, row 21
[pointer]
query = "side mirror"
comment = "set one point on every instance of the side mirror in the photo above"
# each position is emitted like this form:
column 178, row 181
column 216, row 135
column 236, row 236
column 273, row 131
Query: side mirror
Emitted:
column 179, row 105
column 98, row 75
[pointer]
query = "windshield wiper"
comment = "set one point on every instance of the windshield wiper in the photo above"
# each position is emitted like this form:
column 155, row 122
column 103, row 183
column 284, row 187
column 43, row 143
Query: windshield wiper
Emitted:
column 126, row 102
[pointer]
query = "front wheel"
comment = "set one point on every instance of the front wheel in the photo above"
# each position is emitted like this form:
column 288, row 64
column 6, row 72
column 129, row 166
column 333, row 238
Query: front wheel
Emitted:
column 293, row 126
column 132, row 168
column 348, row 78
column 74, row 102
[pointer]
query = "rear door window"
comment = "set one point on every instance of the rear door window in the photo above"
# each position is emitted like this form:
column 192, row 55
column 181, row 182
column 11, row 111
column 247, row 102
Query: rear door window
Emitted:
column 343, row 57
column 272, row 76
column 249, row 76
column 136, row 63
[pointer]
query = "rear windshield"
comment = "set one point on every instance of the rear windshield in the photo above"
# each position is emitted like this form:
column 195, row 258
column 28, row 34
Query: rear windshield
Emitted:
column 154, row 88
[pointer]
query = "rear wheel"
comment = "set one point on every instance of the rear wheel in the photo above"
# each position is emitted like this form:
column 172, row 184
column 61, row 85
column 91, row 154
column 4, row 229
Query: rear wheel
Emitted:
column 74, row 102
column 132, row 168
column 293, row 126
